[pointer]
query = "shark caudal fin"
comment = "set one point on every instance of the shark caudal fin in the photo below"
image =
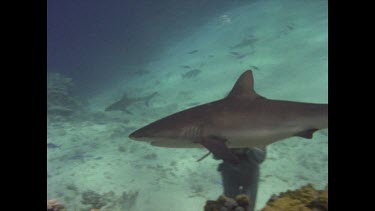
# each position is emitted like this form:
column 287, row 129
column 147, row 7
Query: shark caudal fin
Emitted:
column 244, row 87
column 148, row 98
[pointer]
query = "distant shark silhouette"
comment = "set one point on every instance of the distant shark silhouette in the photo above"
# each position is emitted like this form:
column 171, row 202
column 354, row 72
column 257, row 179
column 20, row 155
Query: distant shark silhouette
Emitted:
column 243, row 119
column 125, row 102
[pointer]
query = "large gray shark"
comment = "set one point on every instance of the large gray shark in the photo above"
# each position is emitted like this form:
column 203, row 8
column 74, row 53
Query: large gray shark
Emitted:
column 243, row 119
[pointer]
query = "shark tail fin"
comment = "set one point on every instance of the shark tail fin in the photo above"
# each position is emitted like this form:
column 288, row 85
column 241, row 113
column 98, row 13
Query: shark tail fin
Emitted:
column 307, row 133
column 244, row 87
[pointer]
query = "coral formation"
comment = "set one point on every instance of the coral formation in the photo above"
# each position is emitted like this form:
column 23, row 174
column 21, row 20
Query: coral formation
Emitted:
column 60, row 100
column 223, row 203
column 307, row 198
column 54, row 205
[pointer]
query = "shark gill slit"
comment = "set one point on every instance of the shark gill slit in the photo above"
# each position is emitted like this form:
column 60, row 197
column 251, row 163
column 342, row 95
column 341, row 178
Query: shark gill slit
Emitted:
column 192, row 132
column 197, row 131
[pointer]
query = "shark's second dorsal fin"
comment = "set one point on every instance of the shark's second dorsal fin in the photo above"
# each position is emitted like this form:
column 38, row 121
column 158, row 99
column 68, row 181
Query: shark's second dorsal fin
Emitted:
column 244, row 87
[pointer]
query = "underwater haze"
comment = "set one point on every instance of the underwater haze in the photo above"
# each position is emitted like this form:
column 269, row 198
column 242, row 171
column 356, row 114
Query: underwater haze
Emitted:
column 116, row 66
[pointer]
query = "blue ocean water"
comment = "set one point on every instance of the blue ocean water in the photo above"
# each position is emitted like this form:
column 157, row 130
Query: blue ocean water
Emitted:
column 165, row 56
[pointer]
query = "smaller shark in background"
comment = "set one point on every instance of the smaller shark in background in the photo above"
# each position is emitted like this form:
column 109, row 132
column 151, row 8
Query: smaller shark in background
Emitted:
column 125, row 102
column 53, row 146
column 243, row 119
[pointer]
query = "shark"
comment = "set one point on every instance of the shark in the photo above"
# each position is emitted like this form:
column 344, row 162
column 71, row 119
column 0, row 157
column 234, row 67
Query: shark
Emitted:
column 125, row 102
column 242, row 119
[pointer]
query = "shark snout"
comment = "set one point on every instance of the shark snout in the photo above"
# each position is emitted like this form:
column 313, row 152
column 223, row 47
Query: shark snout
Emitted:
column 135, row 135
column 139, row 135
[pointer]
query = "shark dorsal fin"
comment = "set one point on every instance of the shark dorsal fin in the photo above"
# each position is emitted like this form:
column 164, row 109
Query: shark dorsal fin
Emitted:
column 124, row 97
column 244, row 87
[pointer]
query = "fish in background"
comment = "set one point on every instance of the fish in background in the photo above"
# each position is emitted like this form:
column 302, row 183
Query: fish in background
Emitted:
column 53, row 146
column 125, row 102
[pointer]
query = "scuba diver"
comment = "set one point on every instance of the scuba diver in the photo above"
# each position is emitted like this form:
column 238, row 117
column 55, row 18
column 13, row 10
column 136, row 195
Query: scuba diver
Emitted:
column 242, row 178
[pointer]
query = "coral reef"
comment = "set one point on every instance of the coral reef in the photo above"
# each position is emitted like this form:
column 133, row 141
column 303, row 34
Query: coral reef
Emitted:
column 223, row 203
column 54, row 205
column 60, row 100
column 307, row 198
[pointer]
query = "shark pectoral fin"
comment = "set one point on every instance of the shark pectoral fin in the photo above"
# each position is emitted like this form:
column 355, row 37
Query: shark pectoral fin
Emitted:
column 307, row 133
column 259, row 153
column 217, row 146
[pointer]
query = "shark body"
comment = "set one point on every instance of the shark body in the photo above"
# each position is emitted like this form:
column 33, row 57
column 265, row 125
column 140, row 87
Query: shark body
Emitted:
column 243, row 119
